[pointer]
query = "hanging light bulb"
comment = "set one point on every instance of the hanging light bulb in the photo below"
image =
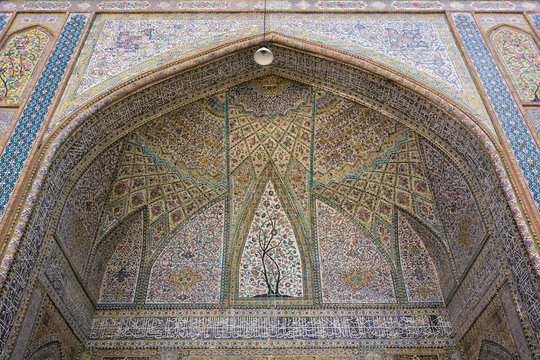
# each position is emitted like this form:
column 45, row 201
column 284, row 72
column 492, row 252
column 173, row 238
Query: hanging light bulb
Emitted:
column 263, row 56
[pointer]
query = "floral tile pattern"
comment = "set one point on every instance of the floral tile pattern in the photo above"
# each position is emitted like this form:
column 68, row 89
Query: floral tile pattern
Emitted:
column 353, row 269
column 122, row 269
column 188, row 269
column 270, row 262
column 122, row 46
column 80, row 219
column 460, row 215
column 419, row 275
column 520, row 55
column 6, row 118
column 22, row 140
column 18, row 60
column 515, row 129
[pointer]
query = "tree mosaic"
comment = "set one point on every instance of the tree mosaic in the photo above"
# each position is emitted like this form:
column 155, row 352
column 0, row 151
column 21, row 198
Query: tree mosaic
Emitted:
column 172, row 169
column 271, row 264
column 520, row 55
column 353, row 270
column 188, row 268
column 18, row 60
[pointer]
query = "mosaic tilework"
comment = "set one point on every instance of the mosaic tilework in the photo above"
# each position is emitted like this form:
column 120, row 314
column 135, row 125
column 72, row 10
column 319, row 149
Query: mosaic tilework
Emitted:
column 516, row 130
column 21, row 141
column 520, row 56
column 419, row 275
column 489, row 21
column 485, row 328
column 412, row 105
column 421, row 46
column 298, row 180
column 438, row 253
column 197, row 130
column 534, row 116
column 283, row 5
column 64, row 288
column 146, row 180
column 353, row 270
column 123, row 45
column 121, row 271
column 356, row 353
column 3, row 20
column 271, row 263
column 259, row 329
column 51, row 331
column 270, row 119
column 49, row 21
column 536, row 21
column 47, row 5
column 188, row 269
column 242, row 184
column 338, row 150
column 481, row 283
column 492, row 350
column 80, row 218
column 119, row 47
column 463, row 224
column 397, row 179
column 18, row 60
column 6, row 117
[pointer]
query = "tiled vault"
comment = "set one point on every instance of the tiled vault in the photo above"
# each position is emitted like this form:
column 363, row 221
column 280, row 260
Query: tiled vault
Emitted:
column 271, row 214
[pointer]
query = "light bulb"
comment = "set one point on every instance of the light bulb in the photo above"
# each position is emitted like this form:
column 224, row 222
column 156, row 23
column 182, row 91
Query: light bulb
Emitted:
column 263, row 56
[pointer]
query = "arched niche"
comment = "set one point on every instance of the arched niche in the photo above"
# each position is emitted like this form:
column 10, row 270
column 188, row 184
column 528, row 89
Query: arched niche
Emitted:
column 518, row 52
column 21, row 54
column 442, row 126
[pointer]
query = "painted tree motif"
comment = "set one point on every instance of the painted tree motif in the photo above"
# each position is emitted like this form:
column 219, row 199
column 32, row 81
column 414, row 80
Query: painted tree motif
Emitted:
column 18, row 60
column 270, row 265
column 520, row 56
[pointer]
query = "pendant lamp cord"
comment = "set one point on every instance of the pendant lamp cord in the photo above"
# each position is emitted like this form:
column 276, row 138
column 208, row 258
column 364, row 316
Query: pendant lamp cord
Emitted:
column 264, row 22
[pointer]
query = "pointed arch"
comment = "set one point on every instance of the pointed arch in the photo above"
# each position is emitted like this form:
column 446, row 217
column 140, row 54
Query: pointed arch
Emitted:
column 295, row 246
column 20, row 56
column 434, row 116
column 519, row 54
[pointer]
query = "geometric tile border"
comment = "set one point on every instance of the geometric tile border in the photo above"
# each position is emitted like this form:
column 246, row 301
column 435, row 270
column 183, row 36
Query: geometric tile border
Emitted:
column 534, row 116
column 321, row 5
column 536, row 21
column 6, row 118
column 3, row 20
column 22, row 139
column 515, row 129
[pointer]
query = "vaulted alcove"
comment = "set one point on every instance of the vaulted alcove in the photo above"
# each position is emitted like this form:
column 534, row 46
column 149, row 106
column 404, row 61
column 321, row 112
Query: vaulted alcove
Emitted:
column 305, row 207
